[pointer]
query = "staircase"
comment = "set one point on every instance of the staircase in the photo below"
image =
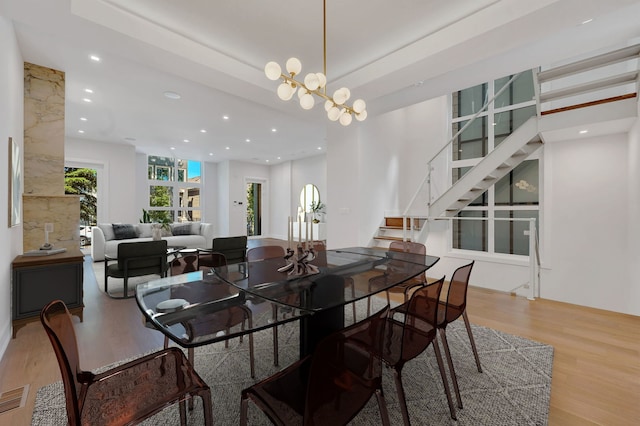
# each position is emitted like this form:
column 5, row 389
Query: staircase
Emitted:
column 511, row 152
column 560, row 92
column 392, row 229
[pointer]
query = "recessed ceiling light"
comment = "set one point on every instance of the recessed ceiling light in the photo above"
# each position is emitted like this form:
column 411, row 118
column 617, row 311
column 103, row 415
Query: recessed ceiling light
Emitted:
column 87, row 100
column 172, row 95
column 247, row 140
column 586, row 21
column 227, row 147
column 80, row 131
column 211, row 154
column 274, row 130
column 88, row 90
column 94, row 58
column 185, row 140
column 278, row 158
column 172, row 148
column 267, row 161
column 83, row 118
column 225, row 117
column 582, row 132
column 203, row 131
column 319, row 148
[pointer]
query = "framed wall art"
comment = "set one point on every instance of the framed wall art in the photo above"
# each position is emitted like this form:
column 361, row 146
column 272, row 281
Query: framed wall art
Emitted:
column 15, row 184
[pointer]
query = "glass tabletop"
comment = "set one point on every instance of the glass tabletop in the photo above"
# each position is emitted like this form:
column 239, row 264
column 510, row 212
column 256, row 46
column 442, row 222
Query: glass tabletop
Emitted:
column 200, row 307
column 197, row 308
column 345, row 276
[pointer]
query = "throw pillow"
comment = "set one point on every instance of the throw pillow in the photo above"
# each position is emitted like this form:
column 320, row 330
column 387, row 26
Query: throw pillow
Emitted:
column 144, row 230
column 107, row 230
column 124, row 231
column 195, row 228
column 181, row 229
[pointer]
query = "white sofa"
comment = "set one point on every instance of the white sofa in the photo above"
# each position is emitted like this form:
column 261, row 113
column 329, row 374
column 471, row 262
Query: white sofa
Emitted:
column 105, row 238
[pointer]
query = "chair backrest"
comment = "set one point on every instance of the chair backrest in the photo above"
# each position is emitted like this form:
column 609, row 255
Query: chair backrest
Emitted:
column 264, row 252
column 457, row 293
column 413, row 252
column 151, row 253
column 408, row 247
column 208, row 259
column 233, row 248
column 420, row 323
column 56, row 319
column 345, row 372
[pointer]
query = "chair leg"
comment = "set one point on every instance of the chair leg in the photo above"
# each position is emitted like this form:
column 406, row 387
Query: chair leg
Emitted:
column 275, row 346
column 191, row 358
column 401, row 397
column 166, row 342
column 244, row 407
column 445, row 382
column 207, row 406
column 251, row 357
column 183, row 412
column 452, row 371
column 368, row 306
column 382, row 405
column 473, row 343
column 274, row 310
column 353, row 305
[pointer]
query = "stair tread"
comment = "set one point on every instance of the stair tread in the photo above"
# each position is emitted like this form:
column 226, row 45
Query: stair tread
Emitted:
column 398, row 227
column 389, row 238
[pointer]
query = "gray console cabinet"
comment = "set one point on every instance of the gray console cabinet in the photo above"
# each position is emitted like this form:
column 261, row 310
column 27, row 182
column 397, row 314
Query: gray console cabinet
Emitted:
column 37, row 280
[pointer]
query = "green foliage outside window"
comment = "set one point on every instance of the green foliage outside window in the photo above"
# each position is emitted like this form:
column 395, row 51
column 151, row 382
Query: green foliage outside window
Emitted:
column 83, row 182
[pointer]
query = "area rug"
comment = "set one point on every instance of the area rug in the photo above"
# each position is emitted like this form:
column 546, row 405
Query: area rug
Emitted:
column 514, row 388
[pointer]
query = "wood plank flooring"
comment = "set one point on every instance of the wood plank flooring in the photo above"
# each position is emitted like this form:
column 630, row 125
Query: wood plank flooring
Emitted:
column 596, row 367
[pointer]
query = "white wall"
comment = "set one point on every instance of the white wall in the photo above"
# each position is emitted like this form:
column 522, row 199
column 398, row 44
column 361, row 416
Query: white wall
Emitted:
column 281, row 198
column 586, row 212
column 120, row 169
column 11, row 125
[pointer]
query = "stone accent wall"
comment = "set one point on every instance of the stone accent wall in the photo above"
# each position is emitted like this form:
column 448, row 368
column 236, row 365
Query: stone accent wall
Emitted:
column 44, row 200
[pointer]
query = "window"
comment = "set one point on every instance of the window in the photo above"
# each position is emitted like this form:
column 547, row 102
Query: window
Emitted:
column 174, row 189
column 515, row 196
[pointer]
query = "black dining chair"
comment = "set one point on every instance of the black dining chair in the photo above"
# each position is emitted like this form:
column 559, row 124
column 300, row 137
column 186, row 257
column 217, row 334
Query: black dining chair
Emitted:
column 135, row 260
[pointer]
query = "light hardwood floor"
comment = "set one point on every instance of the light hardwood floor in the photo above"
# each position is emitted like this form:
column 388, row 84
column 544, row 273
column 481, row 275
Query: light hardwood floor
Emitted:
column 596, row 366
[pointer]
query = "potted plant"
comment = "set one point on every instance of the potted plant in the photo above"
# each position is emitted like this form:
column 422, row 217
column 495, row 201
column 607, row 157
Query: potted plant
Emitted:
column 316, row 208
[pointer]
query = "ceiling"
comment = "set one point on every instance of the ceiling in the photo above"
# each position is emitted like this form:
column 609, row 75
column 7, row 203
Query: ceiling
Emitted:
column 391, row 54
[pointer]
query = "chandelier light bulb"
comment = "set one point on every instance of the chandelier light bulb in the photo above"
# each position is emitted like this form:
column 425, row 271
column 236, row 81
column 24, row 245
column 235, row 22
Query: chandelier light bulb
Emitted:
column 294, row 66
column 322, row 79
column 328, row 105
column 347, row 93
column 345, row 119
column 301, row 92
column 307, row 101
column 361, row 116
column 285, row 91
column 311, row 81
column 339, row 96
column 272, row 70
column 334, row 113
column 359, row 105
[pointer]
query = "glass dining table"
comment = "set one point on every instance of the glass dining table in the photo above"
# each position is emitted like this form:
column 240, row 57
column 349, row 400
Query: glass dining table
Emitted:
column 204, row 307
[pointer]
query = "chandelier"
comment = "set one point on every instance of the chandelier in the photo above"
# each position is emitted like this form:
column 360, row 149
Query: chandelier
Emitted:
column 316, row 84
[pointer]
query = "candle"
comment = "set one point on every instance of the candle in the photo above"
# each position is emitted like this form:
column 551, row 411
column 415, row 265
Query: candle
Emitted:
column 289, row 231
column 311, row 225
column 299, row 230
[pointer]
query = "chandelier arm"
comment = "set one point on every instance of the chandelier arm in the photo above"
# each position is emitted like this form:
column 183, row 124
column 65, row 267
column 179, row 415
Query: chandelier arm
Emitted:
column 318, row 92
